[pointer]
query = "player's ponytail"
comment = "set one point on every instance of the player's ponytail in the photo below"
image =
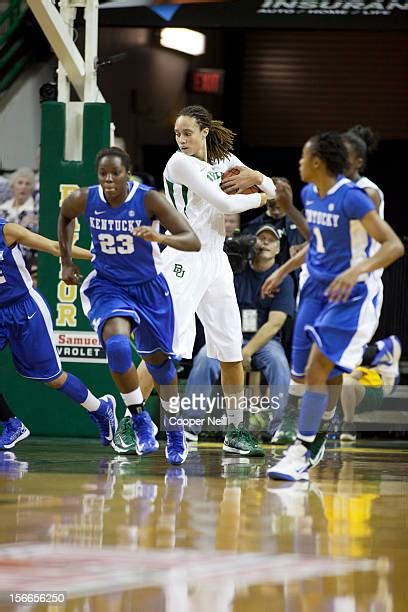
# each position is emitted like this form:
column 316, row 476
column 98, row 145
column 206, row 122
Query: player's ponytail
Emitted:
column 220, row 139
column 363, row 141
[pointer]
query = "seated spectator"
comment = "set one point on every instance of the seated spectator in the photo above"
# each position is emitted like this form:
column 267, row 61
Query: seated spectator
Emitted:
column 262, row 321
column 22, row 209
column 288, row 233
column 366, row 386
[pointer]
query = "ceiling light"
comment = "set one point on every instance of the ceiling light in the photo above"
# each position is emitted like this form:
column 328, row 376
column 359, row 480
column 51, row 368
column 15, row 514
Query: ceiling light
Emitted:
column 183, row 39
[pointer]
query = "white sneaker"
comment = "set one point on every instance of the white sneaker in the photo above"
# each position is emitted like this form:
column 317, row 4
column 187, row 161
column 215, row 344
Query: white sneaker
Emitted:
column 190, row 436
column 294, row 465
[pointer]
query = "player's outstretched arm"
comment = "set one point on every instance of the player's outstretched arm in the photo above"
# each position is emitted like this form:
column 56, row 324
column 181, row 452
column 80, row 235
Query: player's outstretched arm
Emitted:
column 391, row 249
column 73, row 206
column 284, row 197
column 15, row 233
column 183, row 237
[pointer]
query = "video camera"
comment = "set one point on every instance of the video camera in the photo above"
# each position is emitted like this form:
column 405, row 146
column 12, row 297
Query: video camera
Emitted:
column 238, row 248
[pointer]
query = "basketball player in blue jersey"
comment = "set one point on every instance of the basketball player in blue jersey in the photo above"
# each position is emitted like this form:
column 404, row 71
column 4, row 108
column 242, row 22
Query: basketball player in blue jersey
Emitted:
column 359, row 142
column 126, row 293
column 337, row 308
column 25, row 322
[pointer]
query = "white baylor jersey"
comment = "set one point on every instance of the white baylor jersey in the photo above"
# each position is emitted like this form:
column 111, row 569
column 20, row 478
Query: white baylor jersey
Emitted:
column 365, row 183
column 192, row 186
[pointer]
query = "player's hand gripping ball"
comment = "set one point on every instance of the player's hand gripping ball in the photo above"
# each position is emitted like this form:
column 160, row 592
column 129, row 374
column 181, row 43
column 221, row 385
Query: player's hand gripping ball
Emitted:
column 229, row 187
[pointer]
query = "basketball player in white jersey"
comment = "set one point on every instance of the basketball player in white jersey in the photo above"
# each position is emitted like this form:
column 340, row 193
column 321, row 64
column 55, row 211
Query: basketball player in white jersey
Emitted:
column 202, row 282
column 360, row 141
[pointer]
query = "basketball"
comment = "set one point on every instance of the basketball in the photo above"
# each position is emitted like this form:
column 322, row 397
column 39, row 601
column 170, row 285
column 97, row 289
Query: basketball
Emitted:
column 232, row 172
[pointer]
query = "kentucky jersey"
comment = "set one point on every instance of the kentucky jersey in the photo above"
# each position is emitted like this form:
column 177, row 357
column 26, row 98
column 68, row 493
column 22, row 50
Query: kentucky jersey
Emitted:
column 119, row 256
column 15, row 280
column 338, row 239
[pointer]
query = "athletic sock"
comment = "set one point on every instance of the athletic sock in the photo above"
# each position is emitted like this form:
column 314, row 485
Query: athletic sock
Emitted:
column 75, row 389
column 134, row 402
column 311, row 411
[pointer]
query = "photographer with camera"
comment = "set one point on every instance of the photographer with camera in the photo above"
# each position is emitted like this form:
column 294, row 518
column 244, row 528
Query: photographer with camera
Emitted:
column 262, row 318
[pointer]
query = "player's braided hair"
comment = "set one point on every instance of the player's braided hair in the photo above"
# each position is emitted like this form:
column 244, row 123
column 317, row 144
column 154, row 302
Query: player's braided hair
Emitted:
column 220, row 140
column 362, row 139
column 114, row 152
column 329, row 146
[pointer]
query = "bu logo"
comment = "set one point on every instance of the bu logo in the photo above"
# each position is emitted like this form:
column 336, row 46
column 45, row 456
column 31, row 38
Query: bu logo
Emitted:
column 178, row 270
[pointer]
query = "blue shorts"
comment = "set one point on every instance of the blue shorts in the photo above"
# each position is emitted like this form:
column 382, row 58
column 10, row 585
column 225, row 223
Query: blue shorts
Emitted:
column 26, row 327
column 341, row 331
column 148, row 306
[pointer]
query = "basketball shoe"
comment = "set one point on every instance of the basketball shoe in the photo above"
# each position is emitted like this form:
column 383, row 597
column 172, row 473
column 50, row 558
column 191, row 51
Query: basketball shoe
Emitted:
column 14, row 431
column 294, row 465
column 287, row 430
column 317, row 448
column 105, row 418
column 176, row 446
column 145, row 433
column 124, row 440
column 348, row 432
column 239, row 441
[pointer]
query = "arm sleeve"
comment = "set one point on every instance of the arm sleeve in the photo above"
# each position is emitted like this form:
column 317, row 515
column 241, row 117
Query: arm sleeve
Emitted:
column 187, row 174
column 284, row 301
column 357, row 203
column 268, row 186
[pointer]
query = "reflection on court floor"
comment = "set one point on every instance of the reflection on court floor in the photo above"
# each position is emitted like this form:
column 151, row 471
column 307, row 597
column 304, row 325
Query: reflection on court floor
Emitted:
column 131, row 533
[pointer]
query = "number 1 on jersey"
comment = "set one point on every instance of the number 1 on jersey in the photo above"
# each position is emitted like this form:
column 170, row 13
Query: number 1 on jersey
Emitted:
column 319, row 240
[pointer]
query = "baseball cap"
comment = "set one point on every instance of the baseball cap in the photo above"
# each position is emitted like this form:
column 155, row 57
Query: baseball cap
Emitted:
column 268, row 228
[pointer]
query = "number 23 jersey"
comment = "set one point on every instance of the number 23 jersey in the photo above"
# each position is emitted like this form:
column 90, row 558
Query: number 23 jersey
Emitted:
column 118, row 256
column 338, row 240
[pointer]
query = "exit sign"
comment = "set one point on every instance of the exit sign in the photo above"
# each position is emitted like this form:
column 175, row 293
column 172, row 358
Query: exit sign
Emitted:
column 206, row 80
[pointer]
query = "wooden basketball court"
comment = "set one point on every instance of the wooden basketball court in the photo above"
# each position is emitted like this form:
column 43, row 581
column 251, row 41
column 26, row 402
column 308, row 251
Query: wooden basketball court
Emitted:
column 135, row 534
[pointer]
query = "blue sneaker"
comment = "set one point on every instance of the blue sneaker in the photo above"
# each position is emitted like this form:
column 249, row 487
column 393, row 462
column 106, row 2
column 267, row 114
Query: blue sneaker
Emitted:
column 386, row 362
column 145, row 433
column 14, row 431
column 176, row 447
column 105, row 418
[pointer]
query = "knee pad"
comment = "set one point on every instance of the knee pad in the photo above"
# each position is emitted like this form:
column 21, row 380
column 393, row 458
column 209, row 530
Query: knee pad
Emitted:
column 119, row 353
column 163, row 374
